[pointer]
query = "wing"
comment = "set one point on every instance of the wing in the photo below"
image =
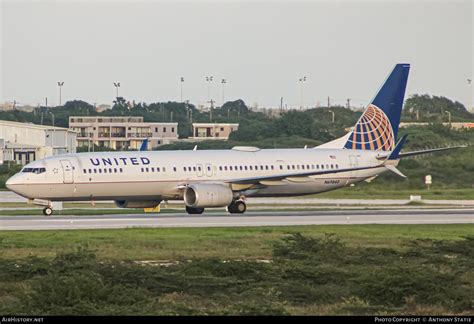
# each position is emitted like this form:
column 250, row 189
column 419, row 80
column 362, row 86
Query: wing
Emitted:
column 295, row 177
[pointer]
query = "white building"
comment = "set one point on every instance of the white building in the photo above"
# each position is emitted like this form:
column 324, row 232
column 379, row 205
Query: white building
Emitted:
column 219, row 131
column 25, row 142
column 122, row 133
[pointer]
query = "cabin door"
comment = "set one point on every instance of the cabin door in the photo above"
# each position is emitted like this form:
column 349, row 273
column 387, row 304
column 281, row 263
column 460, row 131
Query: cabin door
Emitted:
column 353, row 163
column 68, row 175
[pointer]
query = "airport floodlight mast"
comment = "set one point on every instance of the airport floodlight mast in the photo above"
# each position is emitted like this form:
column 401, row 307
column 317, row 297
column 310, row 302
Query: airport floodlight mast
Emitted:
column 302, row 81
column 223, row 81
column 333, row 115
column 117, row 86
column 209, row 80
column 182, row 81
column 60, row 85
column 449, row 117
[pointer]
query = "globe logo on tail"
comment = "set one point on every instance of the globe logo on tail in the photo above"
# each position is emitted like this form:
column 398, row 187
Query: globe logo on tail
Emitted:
column 372, row 132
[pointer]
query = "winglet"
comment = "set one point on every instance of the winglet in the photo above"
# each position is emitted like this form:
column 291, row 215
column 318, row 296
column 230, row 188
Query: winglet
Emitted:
column 144, row 146
column 398, row 148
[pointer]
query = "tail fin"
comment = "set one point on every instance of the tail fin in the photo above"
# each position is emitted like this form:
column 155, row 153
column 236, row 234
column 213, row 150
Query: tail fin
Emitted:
column 377, row 128
column 144, row 146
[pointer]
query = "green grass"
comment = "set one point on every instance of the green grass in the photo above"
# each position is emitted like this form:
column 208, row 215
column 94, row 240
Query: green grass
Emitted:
column 174, row 243
column 371, row 191
column 316, row 270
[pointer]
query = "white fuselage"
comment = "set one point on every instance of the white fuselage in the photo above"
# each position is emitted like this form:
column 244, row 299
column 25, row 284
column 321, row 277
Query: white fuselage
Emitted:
column 162, row 175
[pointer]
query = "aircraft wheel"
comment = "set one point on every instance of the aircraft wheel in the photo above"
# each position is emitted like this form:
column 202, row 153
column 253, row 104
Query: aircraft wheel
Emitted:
column 191, row 210
column 237, row 207
column 47, row 211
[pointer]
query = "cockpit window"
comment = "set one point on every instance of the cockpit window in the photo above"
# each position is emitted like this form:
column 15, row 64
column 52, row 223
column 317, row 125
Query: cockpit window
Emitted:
column 34, row 170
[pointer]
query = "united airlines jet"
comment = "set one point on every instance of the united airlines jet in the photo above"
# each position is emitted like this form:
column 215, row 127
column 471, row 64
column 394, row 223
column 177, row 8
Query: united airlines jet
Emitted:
column 224, row 178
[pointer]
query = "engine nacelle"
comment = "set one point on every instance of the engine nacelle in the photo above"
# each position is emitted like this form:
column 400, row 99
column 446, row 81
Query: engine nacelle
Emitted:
column 207, row 195
column 137, row 203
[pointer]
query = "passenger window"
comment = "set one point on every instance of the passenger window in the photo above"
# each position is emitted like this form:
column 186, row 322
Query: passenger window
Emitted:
column 245, row 168
column 174, row 169
column 85, row 171
column 152, row 169
column 105, row 170
column 121, row 170
column 288, row 167
column 194, row 168
column 322, row 166
column 272, row 167
column 240, row 167
column 302, row 166
column 293, row 166
column 100, row 170
column 115, row 170
column 230, row 168
column 95, row 170
column 332, row 166
column 184, row 169
column 251, row 168
column 220, row 168
column 146, row 169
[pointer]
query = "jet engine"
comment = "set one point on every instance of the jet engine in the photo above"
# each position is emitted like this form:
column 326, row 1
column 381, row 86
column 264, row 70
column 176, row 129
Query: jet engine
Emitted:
column 137, row 203
column 203, row 195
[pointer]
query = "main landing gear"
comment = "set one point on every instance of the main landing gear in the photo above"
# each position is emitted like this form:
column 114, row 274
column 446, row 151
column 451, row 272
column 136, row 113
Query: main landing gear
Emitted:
column 191, row 210
column 237, row 207
column 47, row 211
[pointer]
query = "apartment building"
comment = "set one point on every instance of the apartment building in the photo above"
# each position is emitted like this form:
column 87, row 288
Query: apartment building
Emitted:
column 121, row 133
column 204, row 131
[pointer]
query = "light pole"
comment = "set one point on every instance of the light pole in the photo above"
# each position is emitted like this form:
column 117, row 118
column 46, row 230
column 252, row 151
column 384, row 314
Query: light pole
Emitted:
column 117, row 86
column 224, row 81
column 333, row 115
column 302, row 81
column 471, row 98
column 60, row 85
column 449, row 117
column 209, row 80
column 182, row 81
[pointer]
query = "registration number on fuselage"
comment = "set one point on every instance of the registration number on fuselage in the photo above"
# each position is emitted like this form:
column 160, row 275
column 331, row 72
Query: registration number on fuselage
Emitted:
column 332, row 182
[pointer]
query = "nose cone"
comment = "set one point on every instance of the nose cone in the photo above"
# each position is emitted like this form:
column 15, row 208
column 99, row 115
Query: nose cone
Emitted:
column 14, row 183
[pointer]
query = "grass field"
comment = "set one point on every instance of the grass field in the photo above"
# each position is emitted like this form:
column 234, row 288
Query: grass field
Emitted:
column 357, row 269
column 368, row 191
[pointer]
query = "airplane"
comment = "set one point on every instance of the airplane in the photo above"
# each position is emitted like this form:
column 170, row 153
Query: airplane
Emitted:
column 225, row 178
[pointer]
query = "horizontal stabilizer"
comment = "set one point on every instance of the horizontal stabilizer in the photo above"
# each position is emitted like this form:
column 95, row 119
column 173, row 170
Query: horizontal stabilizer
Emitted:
column 406, row 154
column 395, row 170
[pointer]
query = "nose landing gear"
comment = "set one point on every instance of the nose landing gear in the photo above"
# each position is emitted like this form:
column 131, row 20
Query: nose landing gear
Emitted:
column 47, row 211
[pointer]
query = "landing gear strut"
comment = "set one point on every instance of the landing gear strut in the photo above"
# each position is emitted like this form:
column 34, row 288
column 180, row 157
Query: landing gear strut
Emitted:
column 191, row 210
column 47, row 211
column 237, row 207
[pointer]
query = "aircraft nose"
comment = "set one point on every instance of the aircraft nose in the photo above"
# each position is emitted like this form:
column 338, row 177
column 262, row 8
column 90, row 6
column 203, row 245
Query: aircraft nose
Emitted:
column 12, row 183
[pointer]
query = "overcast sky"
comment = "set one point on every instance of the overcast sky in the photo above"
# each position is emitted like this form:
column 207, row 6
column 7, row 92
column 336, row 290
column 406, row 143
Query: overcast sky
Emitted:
column 345, row 49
